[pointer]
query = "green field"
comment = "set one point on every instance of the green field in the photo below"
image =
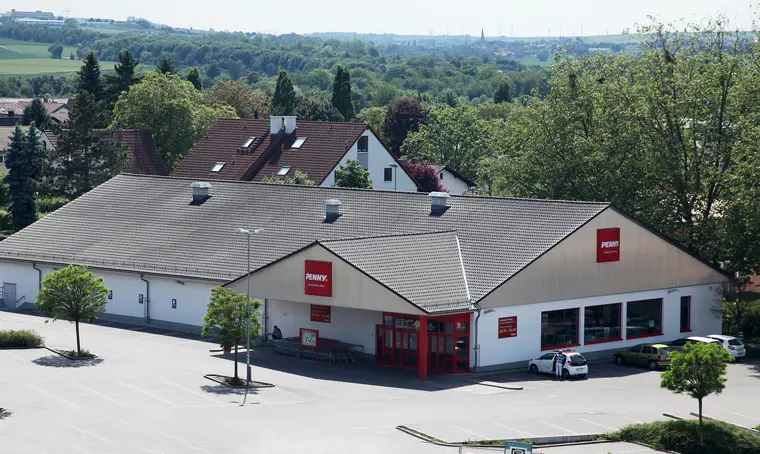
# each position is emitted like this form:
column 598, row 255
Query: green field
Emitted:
column 23, row 58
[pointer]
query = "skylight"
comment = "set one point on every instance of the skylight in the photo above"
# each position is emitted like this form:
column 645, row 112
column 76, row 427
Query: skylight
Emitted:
column 249, row 142
column 217, row 167
column 283, row 171
column 299, row 141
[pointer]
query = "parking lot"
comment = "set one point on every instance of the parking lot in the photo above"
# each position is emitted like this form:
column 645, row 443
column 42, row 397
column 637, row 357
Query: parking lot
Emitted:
column 146, row 393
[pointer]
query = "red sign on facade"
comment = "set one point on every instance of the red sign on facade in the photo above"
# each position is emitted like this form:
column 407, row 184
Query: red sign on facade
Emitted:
column 507, row 327
column 318, row 278
column 322, row 314
column 608, row 245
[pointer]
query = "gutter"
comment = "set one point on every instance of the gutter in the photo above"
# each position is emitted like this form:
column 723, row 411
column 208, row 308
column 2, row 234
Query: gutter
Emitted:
column 39, row 272
column 147, row 298
column 477, row 345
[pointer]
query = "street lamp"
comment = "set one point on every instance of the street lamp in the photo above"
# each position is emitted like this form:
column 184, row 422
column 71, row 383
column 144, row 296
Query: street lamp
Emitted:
column 248, row 233
column 393, row 166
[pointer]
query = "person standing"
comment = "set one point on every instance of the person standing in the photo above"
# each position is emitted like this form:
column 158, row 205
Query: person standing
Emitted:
column 559, row 364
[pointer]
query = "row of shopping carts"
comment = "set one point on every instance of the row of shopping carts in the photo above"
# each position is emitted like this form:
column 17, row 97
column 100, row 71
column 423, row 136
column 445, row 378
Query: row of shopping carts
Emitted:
column 329, row 350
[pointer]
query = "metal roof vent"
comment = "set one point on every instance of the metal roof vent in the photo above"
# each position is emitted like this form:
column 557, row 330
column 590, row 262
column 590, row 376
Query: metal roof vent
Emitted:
column 438, row 202
column 201, row 191
column 332, row 210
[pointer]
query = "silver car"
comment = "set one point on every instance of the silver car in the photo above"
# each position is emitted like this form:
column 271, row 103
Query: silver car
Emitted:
column 733, row 345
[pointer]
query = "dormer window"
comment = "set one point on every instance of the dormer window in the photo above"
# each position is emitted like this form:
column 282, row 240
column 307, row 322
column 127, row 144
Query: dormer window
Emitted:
column 217, row 167
column 298, row 143
column 249, row 142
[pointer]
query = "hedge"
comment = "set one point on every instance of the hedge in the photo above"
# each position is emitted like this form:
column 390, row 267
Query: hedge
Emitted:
column 686, row 437
column 6, row 220
column 20, row 338
column 50, row 204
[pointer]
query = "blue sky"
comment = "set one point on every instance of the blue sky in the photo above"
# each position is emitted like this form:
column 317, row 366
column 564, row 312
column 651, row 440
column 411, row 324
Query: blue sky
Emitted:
column 513, row 18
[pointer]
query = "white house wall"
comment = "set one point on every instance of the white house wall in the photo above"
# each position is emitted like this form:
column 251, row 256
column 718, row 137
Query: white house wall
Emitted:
column 527, row 344
column 453, row 185
column 379, row 158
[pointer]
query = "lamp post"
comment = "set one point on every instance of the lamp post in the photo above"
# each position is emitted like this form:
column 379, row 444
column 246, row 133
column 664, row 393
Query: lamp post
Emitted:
column 248, row 304
column 394, row 166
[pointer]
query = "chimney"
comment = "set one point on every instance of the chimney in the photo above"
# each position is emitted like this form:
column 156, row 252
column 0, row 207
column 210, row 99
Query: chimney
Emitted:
column 275, row 124
column 438, row 203
column 332, row 210
column 290, row 125
column 200, row 191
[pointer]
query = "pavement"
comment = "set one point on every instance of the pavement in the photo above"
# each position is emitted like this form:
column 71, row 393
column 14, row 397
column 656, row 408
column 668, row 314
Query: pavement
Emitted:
column 146, row 393
column 595, row 448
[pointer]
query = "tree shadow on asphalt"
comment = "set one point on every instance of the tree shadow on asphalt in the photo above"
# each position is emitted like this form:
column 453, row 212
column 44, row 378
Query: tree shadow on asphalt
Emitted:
column 753, row 367
column 4, row 413
column 60, row 361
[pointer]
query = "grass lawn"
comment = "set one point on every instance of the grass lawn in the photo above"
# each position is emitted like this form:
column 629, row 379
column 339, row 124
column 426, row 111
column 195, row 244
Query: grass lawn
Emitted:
column 39, row 50
column 36, row 66
column 530, row 61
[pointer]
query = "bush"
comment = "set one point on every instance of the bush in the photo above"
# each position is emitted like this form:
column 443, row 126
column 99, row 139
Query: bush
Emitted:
column 20, row 338
column 6, row 220
column 686, row 437
column 49, row 204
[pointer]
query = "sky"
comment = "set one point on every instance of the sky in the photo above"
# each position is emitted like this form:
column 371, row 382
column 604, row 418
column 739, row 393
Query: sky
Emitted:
column 420, row 17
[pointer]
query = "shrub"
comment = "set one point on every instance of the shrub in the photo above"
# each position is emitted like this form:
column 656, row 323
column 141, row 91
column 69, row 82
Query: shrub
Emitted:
column 20, row 338
column 686, row 437
column 6, row 220
column 49, row 204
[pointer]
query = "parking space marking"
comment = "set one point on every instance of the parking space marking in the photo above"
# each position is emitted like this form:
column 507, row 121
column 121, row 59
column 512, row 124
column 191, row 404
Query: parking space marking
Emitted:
column 97, row 393
column 54, row 396
column 597, row 424
column 179, row 440
column 15, row 356
column 190, row 391
column 468, row 431
column 558, row 427
column 148, row 394
column 745, row 416
column 633, row 420
column 93, row 435
column 513, row 429
column 80, row 449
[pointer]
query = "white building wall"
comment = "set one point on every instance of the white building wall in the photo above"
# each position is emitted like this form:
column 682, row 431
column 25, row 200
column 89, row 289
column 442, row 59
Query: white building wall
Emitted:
column 379, row 158
column 354, row 326
column 527, row 344
column 453, row 185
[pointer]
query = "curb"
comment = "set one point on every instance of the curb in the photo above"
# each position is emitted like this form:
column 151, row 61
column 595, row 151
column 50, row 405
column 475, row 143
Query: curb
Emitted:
column 495, row 385
column 747, row 429
column 544, row 442
column 257, row 385
column 73, row 358
column 668, row 415
column 21, row 348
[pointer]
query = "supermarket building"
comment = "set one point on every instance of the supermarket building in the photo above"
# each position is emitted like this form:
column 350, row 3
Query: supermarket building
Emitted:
column 428, row 282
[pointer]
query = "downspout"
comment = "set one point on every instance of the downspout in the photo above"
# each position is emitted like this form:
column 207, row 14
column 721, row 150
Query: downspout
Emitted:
column 477, row 345
column 265, row 319
column 39, row 280
column 147, row 298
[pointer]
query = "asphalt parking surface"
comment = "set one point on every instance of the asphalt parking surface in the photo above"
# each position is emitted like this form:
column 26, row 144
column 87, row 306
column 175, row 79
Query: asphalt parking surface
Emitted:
column 146, row 393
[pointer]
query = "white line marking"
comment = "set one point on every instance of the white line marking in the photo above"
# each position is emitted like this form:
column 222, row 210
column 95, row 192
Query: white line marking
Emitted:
column 111, row 399
column 633, row 420
column 53, row 396
column 597, row 424
column 179, row 440
column 199, row 406
column 79, row 449
column 745, row 416
column 468, row 431
column 93, row 435
column 558, row 427
column 512, row 429
column 190, row 391
column 371, row 427
column 15, row 356
column 148, row 394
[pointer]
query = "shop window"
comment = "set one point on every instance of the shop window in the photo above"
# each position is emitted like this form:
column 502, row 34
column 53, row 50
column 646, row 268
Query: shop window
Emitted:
column 602, row 323
column 685, row 314
column 643, row 318
column 559, row 329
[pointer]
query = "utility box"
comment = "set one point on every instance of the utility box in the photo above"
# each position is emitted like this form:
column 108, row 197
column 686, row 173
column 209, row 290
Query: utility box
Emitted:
column 515, row 447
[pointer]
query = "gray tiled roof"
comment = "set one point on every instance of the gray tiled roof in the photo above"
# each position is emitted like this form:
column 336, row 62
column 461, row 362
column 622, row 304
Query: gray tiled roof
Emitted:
column 145, row 223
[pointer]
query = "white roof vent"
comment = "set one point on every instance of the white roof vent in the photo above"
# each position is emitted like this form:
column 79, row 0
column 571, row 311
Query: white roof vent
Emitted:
column 201, row 190
column 332, row 210
column 438, row 202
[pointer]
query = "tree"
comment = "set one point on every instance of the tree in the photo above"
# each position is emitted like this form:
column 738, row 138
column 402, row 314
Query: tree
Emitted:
column 23, row 163
column 74, row 294
column 341, row 94
column 236, row 94
column 299, row 177
column 543, row 55
column 699, row 371
column 374, row 117
column 88, row 77
column 172, row 110
column 284, row 102
column 165, row 65
column 37, row 114
column 503, row 92
column 404, row 116
column 194, row 77
column 227, row 317
column 126, row 76
column 353, row 175
column 425, row 176
column 56, row 51
column 315, row 106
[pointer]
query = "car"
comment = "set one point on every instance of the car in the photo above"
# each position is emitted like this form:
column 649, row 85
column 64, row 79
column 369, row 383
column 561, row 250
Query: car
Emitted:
column 575, row 364
column 733, row 345
column 652, row 355
column 678, row 344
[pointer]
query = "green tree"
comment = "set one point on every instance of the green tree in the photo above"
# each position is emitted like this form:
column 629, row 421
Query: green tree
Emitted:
column 194, row 77
column 284, row 102
column 56, row 51
column 126, row 76
column 699, row 371
column 74, row 294
column 165, row 65
column 236, row 94
column 227, row 317
column 374, row 117
column 23, row 163
column 403, row 117
column 37, row 114
column 316, row 106
column 503, row 92
column 299, row 177
column 88, row 77
column 172, row 110
column 353, row 175
column 341, row 94
column 543, row 55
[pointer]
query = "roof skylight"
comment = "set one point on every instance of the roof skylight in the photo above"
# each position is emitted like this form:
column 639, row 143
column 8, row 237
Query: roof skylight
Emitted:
column 283, row 171
column 217, row 167
column 299, row 141
column 249, row 142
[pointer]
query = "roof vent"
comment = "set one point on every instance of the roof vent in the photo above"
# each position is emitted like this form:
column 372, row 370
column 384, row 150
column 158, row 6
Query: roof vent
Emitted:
column 438, row 202
column 332, row 210
column 201, row 191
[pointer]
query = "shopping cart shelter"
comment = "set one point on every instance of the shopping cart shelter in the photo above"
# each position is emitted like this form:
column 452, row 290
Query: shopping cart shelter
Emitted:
column 420, row 281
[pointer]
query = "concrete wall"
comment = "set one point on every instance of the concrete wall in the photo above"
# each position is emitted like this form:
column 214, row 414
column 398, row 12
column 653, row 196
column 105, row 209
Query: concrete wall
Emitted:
column 379, row 158
column 569, row 270
column 453, row 185
column 497, row 352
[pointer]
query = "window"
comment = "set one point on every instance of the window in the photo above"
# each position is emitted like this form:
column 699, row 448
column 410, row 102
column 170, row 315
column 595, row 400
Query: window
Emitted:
column 2, row 158
column 602, row 323
column 548, row 356
column 636, row 349
column 559, row 328
column 646, row 350
column 217, row 167
column 644, row 319
column 299, row 141
column 678, row 343
column 685, row 314
column 388, row 174
column 110, row 294
column 283, row 171
column 249, row 142
column 440, row 176
column 363, row 146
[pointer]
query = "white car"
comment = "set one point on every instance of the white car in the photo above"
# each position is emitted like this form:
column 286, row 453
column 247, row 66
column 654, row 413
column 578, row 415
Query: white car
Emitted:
column 575, row 364
column 679, row 344
column 733, row 345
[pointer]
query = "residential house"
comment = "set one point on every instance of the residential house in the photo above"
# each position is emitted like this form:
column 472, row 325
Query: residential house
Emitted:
column 253, row 150
column 454, row 182
column 58, row 110
column 6, row 134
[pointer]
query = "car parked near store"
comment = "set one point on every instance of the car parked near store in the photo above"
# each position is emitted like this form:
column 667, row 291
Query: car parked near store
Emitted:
column 733, row 345
column 653, row 356
column 575, row 364
column 678, row 344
